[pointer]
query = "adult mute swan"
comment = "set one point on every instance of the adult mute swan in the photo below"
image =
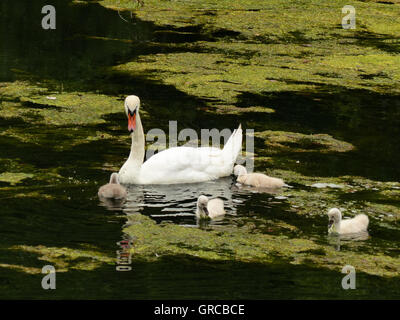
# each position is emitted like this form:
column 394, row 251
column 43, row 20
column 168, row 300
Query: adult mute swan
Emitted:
column 178, row 164
column 256, row 179
column 112, row 190
column 355, row 225
column 209, row 209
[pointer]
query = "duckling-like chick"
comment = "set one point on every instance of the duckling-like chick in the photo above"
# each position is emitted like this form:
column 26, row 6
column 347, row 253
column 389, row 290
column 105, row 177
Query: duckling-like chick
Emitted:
column 209, row 208
column 256, row 179
column 355, row 225
column 112, row 190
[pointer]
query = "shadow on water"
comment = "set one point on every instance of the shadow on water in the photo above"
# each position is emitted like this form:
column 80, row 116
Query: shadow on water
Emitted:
column 368, row 120
column 87, row 39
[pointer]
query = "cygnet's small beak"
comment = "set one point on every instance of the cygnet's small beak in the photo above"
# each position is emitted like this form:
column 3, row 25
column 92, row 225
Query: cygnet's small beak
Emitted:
column 206, row 211
column 131, row 120
column 330, row 223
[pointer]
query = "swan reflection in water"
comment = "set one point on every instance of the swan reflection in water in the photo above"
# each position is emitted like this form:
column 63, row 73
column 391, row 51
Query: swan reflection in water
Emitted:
column 336, row 240
column 112, row 204
column 177, row 202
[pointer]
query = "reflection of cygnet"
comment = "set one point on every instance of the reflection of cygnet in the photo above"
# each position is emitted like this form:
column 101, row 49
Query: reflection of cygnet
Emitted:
column 112, row 190
column 336, row 225
column 209, row 208
column 256, row 179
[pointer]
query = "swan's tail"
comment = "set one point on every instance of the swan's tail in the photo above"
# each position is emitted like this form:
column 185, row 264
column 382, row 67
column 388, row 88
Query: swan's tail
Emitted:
column 233, row 147
column 362, row 219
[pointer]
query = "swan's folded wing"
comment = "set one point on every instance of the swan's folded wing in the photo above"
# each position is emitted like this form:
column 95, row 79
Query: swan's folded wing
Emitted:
column 184, row 164
column 216, row 207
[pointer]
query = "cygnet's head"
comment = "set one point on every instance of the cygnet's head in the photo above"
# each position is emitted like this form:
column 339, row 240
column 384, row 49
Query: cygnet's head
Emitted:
column 239, row 170
column 114, row 178
column 132, row 105
column 202, row 202
column 335, row 216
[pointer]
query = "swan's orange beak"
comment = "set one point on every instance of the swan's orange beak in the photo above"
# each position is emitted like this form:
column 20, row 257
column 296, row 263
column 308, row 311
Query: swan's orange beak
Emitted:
column 131, row 121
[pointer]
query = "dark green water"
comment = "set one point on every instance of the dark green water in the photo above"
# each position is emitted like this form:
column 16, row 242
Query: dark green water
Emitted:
column 73, row 216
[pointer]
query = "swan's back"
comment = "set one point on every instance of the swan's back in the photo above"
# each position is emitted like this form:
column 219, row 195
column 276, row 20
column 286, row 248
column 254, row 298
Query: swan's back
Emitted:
column 185, row 165
column 215, row 208
column 260, row 180
column 362, row 219
column 357, row 224
column 112, row 191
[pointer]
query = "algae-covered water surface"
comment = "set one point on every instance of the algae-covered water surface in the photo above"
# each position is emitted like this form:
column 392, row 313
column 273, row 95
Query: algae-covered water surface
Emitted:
column 323, row 102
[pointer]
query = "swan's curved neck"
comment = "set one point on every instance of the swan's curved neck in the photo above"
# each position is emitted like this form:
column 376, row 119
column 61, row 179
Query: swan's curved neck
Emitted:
column 335, row 227
column 337, row 224
column 136, row 156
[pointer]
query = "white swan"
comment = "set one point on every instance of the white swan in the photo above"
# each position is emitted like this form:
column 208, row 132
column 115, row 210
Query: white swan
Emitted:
column 256, row 179
column 178, row 164
column 355, row 225
column 209, row 208
column 112, row 190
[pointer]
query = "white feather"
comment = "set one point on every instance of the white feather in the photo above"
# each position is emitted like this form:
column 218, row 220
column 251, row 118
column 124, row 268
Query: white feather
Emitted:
column 178, row 164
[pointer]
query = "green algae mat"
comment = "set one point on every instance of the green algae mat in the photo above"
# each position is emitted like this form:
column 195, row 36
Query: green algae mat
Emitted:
column 323, row 102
